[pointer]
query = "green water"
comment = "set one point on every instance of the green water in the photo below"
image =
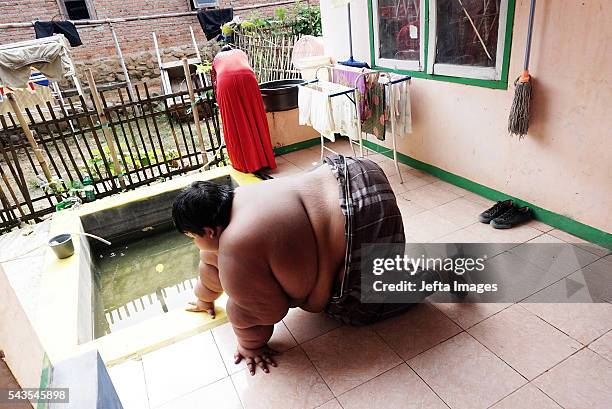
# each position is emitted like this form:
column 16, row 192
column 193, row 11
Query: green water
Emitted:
column 142, row 279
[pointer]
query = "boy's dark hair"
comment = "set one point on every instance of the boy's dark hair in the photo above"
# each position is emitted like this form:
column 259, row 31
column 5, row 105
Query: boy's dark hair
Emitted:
column 202, row 204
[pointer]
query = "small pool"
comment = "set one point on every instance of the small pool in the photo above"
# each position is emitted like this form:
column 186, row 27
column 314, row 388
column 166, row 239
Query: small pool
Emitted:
column 143, row 278
column 129, row 298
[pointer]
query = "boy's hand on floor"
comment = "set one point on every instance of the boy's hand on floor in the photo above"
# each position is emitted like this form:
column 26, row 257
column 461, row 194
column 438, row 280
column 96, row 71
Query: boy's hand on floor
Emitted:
column 261, row 357
column 201, row 306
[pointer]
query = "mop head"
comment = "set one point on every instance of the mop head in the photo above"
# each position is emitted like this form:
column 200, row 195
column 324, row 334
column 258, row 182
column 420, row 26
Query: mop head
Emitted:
column 518, row 124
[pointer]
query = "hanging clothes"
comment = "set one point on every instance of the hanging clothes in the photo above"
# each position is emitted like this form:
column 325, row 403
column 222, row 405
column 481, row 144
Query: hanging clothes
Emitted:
column 328, row 116
column 399, row 105
column 212, row 20
column 374, row 116
column 245, row 126
column 49, row 58
column 67, row 28
column 370, row 94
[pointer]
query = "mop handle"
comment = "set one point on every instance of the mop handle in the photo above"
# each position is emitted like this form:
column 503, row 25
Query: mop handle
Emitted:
column 348, row 6
column 529, row 32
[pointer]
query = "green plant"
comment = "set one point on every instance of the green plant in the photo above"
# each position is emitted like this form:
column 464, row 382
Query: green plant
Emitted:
column 301, row 19
column 306, row 20
column 204, row 68
column 227, row 29
column 281, row 14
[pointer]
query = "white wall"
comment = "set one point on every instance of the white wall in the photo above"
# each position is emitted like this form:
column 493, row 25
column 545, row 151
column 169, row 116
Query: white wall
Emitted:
column 565, row 163
column 23, row 350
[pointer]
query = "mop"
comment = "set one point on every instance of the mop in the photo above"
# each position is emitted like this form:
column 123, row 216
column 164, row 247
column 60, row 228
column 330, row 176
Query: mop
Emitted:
column 351, row 62
column 518, row 124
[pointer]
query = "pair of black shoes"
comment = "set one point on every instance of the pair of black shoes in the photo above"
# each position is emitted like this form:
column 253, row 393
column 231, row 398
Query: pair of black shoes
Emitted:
column 504, row 215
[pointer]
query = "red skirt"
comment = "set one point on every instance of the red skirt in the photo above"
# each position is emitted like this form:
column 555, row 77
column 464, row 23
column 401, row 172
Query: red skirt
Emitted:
column 245, row 127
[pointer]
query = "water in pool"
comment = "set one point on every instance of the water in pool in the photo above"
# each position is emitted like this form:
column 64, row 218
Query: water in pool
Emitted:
column 142, row 279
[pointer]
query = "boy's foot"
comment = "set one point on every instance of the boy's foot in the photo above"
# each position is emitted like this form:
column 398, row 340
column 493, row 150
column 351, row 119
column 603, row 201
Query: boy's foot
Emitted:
column 497, row 210
column 512, row 218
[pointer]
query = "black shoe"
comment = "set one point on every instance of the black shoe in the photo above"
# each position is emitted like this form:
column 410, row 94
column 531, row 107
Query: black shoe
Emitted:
column 511, row 218
column 497, row 210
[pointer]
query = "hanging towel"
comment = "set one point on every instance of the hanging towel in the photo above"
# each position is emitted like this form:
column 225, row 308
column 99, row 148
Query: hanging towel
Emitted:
column 329, row 116
column 48, row 58
column 212, row 20
column 373, row 121
column 399, row 106
column 67, row 28
column 351, row 77
column 315, row 110
column 370, row 95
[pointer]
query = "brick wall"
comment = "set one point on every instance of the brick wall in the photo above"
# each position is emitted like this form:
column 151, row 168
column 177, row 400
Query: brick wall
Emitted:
column 134, row 37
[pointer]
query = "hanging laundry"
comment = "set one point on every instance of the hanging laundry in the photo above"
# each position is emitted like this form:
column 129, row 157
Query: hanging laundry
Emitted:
column 48, row 58
column 373, row 121
column 369, row 93
column 398, row 104
column 212, row 20
column 67, row 28
column 329, row 116
column 37, row 92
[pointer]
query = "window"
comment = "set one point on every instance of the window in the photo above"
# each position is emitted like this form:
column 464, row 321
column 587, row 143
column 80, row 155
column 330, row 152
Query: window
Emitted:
column 77, row 9
column 199, row 4
column 398, row 34
column 451, row 38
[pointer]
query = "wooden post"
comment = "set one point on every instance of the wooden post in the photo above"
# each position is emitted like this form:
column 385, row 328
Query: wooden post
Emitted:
column 11, row 192
column 104, row 122
column 28, row 133
column 194, row 109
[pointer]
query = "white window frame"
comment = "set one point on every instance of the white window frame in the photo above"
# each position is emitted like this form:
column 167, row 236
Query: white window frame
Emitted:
column 465, row 71
column 410, row 65
column 90, row 9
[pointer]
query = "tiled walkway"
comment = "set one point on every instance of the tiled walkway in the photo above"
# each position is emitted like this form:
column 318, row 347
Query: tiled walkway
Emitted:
column 435, row 356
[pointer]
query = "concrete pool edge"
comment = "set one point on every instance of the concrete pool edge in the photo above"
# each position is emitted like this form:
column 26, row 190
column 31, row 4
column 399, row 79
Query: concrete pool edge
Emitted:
column 64, row 319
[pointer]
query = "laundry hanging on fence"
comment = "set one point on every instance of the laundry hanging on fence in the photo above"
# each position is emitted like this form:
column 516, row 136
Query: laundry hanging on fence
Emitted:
column 49, row 58
column 370, row 94
column 328, row 116
column 67, row 28
column 212, row 20
column 399, row 105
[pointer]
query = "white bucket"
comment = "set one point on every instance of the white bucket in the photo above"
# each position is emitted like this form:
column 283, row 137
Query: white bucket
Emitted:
column 308, row 67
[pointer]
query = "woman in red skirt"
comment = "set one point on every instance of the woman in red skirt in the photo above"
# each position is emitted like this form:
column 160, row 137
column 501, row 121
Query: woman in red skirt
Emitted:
column 245, row 126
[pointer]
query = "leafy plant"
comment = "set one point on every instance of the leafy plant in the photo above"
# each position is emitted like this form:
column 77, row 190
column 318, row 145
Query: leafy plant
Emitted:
column 304, row 19
column 281, row 14
column 204, row 68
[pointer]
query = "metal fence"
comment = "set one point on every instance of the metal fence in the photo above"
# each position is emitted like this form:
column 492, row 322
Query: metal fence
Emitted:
column 111, row 139
column 269, row 51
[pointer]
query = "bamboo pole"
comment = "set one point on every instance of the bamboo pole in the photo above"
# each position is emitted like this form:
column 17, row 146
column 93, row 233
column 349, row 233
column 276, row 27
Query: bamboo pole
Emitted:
column 194, row 109
column 126, row 74
column 475, row 29
column 146, row 17
column 104, row 122
column 11, row 192
column 28, row 133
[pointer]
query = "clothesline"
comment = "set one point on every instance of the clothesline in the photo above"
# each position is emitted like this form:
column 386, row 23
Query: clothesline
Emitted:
column 145, row 17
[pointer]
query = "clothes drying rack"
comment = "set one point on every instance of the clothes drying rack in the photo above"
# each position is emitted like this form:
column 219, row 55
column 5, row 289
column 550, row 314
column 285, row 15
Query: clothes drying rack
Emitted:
column 384, row 79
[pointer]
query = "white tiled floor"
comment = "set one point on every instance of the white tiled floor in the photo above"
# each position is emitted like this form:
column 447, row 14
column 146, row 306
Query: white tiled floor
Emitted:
column 470, row 356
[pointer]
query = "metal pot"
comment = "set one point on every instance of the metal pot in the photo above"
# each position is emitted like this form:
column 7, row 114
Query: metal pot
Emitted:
column 62, row 245
column 281, row 95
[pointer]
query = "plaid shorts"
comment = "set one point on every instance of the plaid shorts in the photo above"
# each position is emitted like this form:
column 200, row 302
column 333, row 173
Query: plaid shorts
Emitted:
column 371, row 216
